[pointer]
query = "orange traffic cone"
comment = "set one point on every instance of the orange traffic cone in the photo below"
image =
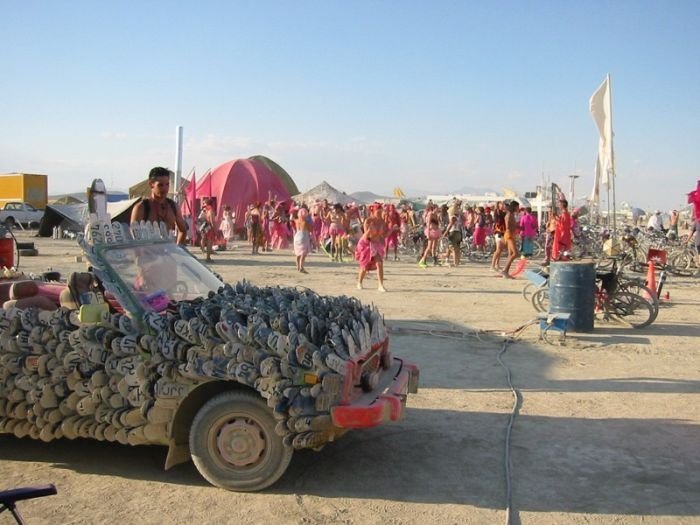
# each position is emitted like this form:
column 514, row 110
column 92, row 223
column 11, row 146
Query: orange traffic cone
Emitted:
column 651, row 278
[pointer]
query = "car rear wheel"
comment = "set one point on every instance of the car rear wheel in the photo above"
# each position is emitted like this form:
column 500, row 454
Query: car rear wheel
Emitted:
column 234, row 445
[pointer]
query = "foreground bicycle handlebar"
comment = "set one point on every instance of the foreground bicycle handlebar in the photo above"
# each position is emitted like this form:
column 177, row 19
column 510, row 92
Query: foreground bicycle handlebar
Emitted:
column 9, row 498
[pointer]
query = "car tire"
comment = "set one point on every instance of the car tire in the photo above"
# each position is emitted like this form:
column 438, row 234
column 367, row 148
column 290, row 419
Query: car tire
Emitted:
column 29, row 252
column 25, row 245
column 233, row 442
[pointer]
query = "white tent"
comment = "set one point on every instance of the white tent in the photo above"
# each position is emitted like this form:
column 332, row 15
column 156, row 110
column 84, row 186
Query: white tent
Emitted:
column 321, row 192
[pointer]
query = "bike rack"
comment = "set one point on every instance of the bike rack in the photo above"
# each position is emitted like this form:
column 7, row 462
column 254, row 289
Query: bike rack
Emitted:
column 558, row 322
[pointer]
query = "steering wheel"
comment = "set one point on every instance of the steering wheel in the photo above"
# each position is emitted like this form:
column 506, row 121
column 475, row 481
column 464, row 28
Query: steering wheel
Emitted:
column 178, row 291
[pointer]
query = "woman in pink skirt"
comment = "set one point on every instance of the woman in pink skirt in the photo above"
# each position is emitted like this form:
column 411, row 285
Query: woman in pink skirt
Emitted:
column 280, row 227
column 480, row 227
column 370, row 249
column 393, row 221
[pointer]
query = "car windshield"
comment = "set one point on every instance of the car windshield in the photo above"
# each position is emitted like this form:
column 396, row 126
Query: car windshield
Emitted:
column 157, row 273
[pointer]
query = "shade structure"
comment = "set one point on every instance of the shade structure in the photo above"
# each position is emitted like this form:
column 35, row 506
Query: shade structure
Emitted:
column 321, row 192
column 74, row 217
column 238, row 183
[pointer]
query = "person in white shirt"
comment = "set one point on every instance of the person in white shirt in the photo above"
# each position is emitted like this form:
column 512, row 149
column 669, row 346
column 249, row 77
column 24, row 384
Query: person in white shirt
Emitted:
column 655, row 222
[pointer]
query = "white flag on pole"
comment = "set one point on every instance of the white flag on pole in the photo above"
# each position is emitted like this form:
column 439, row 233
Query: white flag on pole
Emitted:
column 601, row 111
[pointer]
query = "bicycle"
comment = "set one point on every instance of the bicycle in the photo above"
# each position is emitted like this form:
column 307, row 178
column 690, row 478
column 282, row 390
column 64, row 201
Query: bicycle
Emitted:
column 616, row 297
column 9, row 498
column 613, row 301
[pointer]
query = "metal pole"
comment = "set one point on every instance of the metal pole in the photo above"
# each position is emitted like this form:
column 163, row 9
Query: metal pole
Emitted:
column 177, row 183
column 571, row 189
column 612, row 159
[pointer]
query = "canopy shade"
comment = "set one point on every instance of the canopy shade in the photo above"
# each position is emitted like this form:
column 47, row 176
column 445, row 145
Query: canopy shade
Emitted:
column 321, row 192
column 74, row 217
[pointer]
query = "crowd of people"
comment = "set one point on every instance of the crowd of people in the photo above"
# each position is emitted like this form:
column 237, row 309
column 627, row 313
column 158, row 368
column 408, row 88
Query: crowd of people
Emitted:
column 371, row 233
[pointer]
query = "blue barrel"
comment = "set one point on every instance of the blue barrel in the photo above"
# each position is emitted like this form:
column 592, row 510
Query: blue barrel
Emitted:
column 572, row 291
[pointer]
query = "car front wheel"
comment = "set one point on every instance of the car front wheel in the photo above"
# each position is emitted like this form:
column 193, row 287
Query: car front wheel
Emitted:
column 233, row 443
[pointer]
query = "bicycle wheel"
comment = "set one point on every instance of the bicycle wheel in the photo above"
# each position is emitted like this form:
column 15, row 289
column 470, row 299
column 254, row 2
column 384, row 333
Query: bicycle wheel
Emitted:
column 682, row 259
column 632, row 308
column 540, row 299
column 537, row 250
column 679, row 271
column 637, row 287
column 528, row 290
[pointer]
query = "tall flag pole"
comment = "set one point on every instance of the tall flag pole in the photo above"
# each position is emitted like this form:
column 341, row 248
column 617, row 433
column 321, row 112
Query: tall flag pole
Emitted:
column 177, row 183
column 612, row 153
column 193, row 206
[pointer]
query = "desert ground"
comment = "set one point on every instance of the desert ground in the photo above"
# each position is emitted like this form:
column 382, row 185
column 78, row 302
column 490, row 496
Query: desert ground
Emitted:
column 608, row 430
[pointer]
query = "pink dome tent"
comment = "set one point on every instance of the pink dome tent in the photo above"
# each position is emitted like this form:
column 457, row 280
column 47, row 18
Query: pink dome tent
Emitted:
column 239, row 183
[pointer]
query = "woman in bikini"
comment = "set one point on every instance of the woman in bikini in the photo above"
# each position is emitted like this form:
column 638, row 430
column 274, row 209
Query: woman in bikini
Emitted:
column 208, row 227
column 256, row 229
column 393, row 221
column 370, row 249
column 432, row 235
column 336, row 230
column 510, row 237
column 499, row 228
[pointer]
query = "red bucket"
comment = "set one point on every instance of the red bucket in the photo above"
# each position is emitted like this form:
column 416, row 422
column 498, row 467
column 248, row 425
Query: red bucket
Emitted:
column 7, row 253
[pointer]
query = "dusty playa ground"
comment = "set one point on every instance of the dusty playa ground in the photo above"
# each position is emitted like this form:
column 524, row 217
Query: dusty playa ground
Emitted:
column 608, row 430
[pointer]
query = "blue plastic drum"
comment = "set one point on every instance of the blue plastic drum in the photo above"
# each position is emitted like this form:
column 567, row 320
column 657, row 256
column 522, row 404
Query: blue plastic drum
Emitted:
column 572, row 291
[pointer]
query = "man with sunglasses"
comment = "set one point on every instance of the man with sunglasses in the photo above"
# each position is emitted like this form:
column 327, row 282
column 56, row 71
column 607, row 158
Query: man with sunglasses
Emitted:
column 158, row 207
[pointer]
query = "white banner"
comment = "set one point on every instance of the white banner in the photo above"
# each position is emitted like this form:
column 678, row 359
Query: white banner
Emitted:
column 601, row 111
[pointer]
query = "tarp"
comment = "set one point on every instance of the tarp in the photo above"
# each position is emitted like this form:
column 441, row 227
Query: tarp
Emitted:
column 140, row 189
column 238, row 183
column 321, row 192
column 279, row 171
column 143, row 189
column 74, row 217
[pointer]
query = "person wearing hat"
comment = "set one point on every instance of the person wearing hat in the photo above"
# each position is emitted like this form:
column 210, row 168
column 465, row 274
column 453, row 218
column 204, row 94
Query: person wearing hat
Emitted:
column 158, row 207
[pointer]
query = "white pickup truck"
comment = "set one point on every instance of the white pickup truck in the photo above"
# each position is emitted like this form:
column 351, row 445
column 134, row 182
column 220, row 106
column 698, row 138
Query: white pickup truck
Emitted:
column 12, row 213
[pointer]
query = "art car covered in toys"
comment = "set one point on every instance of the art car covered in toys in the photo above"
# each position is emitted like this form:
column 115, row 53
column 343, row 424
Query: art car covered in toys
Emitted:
column 151, row 347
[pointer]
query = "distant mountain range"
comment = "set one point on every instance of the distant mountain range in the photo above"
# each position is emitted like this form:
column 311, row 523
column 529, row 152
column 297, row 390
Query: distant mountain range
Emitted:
column 414, row 192
column 112, row 196
column 368, row 196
